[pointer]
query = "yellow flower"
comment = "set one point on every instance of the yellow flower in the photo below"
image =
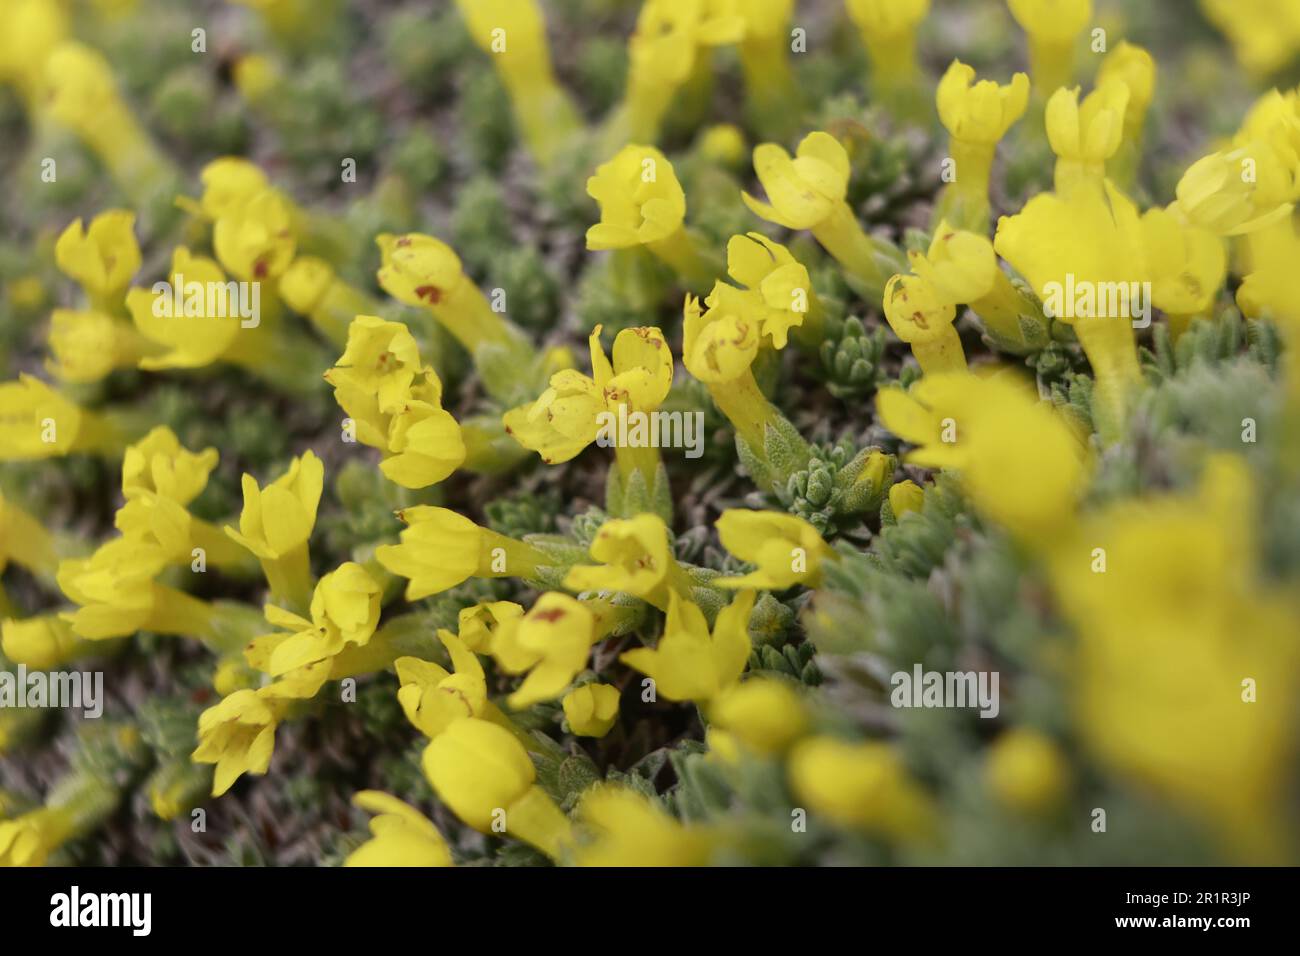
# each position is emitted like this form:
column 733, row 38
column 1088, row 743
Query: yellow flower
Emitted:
column 780, row 283
column 88, row 345
column 805, row 191
column 229, row 183
column 433, row 699
column 43, row 642
column 1188, row 265
column 33, row 28
column 423, row 271
column 344, row 611
column 440, row 548
column 763, row 713
column 1236, row 192
column 977, row 115
column 1135, row 68
column 206, row 329
column 1265, row 34
column 1168, row 634
column 115, row 587
column 31, row 838
column 36, row 421
column 864, row 786
column 479, row 622
column 719, row 345
column 1020, row 463
column 485, row 776
column 101, row 258
column 566, row 418
column 591, row 709
column 400, row 835
column 551, row 642
column 1085, row 136
column 888, row 29
column 238, row 735
column 635, row 558
column 787, row 549
column 276, row 524
column 1083, row 256
column 1026, row 772
column 381, row 359
column 905, row 496
column 158, row 464
column 689, row 663
column 513, row 32
column 922, row 316
column 24, row 540
column 628, row 829
column 1052, row 26
column 254, row 241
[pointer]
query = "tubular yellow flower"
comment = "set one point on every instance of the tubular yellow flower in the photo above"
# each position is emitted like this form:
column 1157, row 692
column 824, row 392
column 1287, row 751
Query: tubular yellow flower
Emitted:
column 238, row 735
column 787, row 549
column 577, row 410
column 663, row 53
column 157, row 463
column 1082, row 254
column 807, row 192
column 117, row 594
column 344, row 611
column 977, row 115
column 433, row 699
column 922, row 316
column 1085, row 136
column 254, row 240
column 1216, row 192
column 484, row 775
column 763, row 713
column 82, row 95
column 228, row 183
column 1026, row 772
column 1135, row 68
column 1020, row 463
column 772, row 97
column 514, row 33
column 1052, row 26
column 635, row 559
column 780, row 283
column 276, row 524
column 102, row 258
column 689, row 663
column 888, row 29
column 423, row 271
column 1188, row 265
column 629, row 829
column 87, row 346
column 963, row 267
column 441, row 548
column 479, row 622
column 551, row 642
column 43, row 642
column 400, row 835
column 31, row 838
column 864, row 786
column 38, row 422
column 591, row 709
column 905, row 496
column 24, row 540
column 375, row 383
column 642, row 204
column 208, row 326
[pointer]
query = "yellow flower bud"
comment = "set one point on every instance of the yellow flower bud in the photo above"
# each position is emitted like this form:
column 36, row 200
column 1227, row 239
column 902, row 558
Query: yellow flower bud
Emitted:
column 87, row 346
column 228, row 183
column 765, row 714
column 591, row 709
column 689, row 662
column 400, row 835
column 254, row 241
column 1026, row 771
column 484, row 775
column 864, row 786
column 905, row 496
column 42, row 643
